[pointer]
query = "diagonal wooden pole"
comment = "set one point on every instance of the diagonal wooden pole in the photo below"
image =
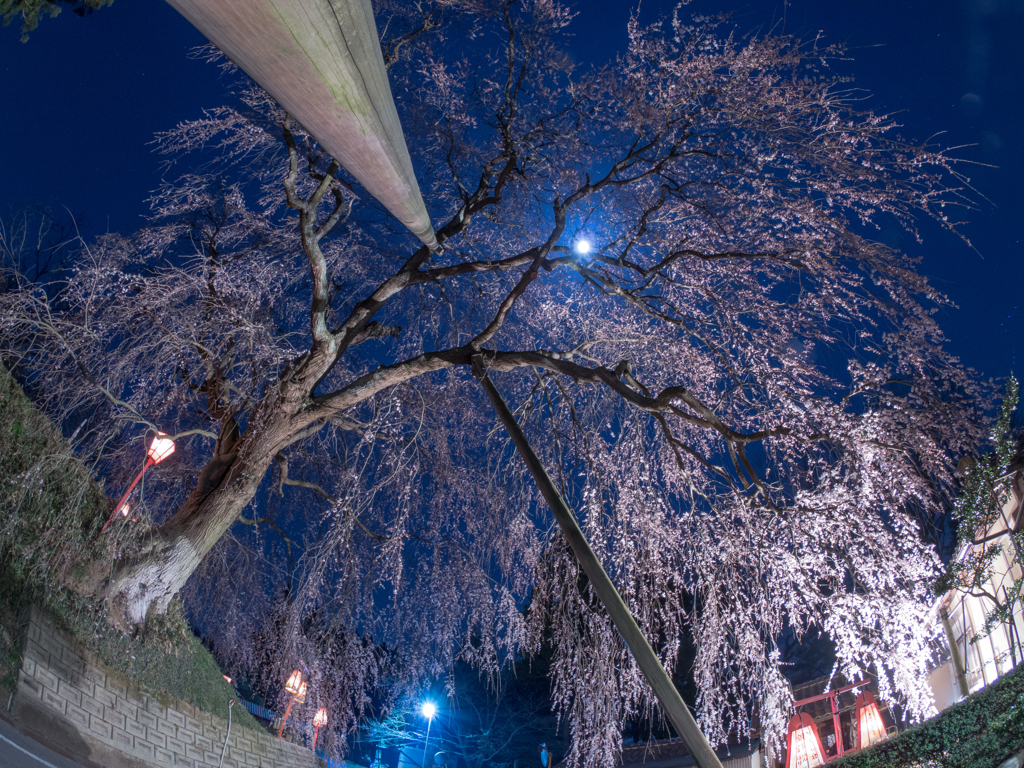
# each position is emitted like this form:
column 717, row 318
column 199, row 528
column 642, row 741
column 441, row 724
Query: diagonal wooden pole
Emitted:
column 671, row 702
column 321, row 61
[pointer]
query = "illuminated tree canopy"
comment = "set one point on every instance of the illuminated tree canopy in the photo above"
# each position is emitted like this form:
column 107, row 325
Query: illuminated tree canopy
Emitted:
column 742, row 392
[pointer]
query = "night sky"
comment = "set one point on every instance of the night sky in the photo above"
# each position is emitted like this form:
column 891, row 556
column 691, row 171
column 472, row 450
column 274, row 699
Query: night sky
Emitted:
column 82, row 99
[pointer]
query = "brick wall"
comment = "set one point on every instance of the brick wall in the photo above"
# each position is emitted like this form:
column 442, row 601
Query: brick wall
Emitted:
column 92, row 713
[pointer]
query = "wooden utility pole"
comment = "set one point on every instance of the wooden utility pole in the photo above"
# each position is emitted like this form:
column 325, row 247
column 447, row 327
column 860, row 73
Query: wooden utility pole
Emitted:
column 321, row 61
column 671, row 702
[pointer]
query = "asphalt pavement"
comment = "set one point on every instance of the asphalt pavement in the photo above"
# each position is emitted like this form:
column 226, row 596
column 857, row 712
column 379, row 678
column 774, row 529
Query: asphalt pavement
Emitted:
column 20, row 751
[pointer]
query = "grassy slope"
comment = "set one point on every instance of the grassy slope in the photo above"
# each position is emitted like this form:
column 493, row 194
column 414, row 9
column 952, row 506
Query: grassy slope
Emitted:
column 50, row 514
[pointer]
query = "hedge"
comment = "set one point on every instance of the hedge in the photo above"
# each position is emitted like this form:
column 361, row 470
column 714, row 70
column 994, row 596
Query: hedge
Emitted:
column 980, row 732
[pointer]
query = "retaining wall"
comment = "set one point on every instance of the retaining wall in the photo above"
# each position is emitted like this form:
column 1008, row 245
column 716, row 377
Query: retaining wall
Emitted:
column 94, row 713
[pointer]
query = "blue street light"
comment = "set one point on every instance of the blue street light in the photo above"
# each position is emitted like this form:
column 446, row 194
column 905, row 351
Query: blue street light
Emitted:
column 583, row 247
column 429, row 710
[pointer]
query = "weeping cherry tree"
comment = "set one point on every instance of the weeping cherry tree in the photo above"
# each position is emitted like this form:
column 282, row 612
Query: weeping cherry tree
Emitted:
column 742, row 391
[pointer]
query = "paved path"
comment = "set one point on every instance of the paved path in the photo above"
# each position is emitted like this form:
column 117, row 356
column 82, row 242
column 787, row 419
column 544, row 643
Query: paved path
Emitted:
column 19, row 751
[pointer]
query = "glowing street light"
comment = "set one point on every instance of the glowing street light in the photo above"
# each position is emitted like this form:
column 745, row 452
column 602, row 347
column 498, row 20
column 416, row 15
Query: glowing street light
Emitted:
column 161, row 447
column 297, row 689
column 429, row 710
column 320, row 718
column 583, row 247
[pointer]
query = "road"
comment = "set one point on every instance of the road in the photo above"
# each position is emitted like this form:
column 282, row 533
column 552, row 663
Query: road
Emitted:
column 19, row 751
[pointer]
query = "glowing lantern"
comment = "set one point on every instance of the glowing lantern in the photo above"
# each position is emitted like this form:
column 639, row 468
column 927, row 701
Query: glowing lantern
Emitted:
column 161, row 447
column 803, row 747
column 320, row 718
column 294, row 684
column 869, row 721
column 297, row 689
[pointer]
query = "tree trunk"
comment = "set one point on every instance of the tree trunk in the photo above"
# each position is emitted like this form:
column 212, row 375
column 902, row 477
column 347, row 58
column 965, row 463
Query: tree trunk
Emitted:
column 160, row 572
column 226, row 485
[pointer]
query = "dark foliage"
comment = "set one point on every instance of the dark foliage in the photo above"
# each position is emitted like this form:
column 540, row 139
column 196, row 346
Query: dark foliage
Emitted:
column 30, row 11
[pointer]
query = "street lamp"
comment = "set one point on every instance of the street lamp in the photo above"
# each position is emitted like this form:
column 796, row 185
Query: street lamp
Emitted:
column 320, row 718
column 161, row 447
column 583, row 247
column 429, row 710
column 297, row 689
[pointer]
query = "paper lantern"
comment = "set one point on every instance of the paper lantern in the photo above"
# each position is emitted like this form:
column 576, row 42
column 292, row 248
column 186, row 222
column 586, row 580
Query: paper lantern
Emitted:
column 870, row 729
column 803, row 747
column 161, row 447
column 294, row 684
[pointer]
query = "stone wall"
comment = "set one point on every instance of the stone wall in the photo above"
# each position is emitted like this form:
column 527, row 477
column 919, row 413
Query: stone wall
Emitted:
column 93, row 713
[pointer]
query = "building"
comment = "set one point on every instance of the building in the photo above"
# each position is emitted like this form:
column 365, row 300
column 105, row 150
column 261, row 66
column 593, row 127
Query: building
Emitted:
column 973, row 658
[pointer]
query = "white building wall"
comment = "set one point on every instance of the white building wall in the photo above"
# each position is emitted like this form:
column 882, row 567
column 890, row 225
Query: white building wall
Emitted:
column 986, row 657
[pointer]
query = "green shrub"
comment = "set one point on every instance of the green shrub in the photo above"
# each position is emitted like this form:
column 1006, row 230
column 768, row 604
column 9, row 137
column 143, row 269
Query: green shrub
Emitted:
column 980, row 732
column 50, row 508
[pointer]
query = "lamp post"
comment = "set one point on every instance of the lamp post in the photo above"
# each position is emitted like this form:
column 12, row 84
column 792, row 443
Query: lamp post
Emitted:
column 320, row 718
column 297, row 689
column 429, row 710
column 161, row 447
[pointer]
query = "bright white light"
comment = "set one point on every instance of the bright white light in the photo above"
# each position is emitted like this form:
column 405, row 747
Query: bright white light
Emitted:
column 583, row 246
column 161, row 447
column 429, row 710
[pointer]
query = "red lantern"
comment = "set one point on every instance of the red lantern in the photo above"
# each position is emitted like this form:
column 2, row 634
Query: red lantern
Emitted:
column 297, row 689
column 294, row 684
column 320, row 718
column 161, row 447
column 803, row 747
column 870, row 729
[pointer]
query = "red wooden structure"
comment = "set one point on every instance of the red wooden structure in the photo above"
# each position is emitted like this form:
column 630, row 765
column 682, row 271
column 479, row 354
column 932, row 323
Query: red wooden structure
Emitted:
column 803, row 742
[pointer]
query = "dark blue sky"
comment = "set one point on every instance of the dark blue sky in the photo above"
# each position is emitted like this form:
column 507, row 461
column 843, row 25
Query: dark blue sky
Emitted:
column 84, row 96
